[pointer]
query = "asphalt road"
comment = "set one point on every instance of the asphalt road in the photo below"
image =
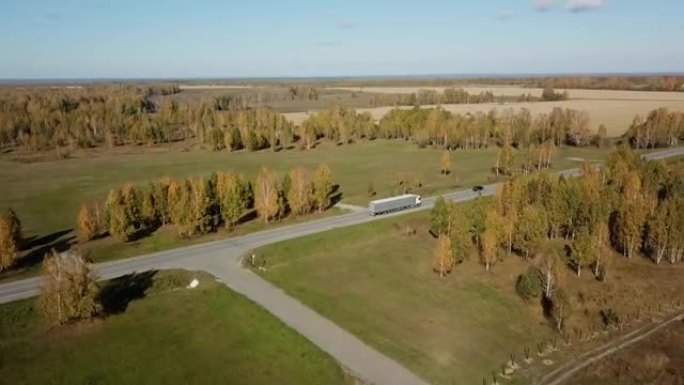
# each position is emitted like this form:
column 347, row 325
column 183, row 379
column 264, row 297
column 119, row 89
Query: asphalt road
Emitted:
column 11, row 291
column 221, row 259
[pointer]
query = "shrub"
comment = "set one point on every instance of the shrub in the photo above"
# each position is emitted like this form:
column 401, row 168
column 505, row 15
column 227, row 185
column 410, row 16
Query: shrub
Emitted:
column 529, row 284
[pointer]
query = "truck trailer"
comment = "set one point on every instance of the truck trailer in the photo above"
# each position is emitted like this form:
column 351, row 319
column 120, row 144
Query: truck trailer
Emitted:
column 398, row 203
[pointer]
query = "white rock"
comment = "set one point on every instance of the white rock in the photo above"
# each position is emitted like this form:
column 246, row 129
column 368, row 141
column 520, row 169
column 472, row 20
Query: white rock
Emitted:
column 193, row 284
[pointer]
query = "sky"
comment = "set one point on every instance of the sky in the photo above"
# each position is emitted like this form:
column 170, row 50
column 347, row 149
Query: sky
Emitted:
column 51, row 39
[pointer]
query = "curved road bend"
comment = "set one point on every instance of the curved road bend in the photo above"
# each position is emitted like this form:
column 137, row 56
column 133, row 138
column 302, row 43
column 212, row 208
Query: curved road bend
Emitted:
column 363, row 361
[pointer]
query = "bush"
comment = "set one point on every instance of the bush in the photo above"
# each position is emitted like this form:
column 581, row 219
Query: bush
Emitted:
column 529, row 284
column 609, row 318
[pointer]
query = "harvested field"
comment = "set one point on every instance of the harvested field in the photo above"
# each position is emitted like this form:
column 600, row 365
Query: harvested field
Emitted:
column 213, row 87
column 615, row 114
column 516, row 90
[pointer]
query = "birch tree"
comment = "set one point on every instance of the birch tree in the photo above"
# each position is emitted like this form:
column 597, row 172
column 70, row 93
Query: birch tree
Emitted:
column 323, row 187
column 443, row 259
column 300, row 194
column 70, row 289
column 266, row 195
column 87, row 226
column 8, row 247
column 445, row 163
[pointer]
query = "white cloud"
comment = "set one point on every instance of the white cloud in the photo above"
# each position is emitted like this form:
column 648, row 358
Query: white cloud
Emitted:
column 346, row 24
column 584, row 5
column 543, row 5
column 503, row 15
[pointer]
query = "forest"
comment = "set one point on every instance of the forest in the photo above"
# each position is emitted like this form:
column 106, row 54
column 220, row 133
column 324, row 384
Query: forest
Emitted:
column 608, row 82
column 632, row 206
column 192, row 206
column 36, row 119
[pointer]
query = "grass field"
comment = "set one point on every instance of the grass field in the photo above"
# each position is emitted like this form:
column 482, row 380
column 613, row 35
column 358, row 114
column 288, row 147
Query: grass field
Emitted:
column 208, row 335
column 47, row 194
column 377, row 282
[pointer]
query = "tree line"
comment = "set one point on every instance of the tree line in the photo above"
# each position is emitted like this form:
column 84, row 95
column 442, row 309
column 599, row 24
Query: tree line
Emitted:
column 82, row 118
column 432, row 97
column 201, row 205
column 661, row 128
column 630, row 205
column 440, row 128
column 608, row 82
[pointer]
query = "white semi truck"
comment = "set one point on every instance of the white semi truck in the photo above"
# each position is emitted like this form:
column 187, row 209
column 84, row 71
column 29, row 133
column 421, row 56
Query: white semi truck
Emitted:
column 398, row 203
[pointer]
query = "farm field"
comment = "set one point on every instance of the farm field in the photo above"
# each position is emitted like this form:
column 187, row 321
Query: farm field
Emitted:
column 47, row 194
column 615, row 114
column 326, row 97
column 161, row 333
column 516, row 91
column 376, row 281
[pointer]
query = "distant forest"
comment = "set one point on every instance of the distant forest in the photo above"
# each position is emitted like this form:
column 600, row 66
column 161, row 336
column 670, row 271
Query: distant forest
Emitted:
column 607, row 82
column 109, row 115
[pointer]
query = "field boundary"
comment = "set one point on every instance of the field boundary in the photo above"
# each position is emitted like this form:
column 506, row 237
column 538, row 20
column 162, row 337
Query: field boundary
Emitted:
column 559, row 375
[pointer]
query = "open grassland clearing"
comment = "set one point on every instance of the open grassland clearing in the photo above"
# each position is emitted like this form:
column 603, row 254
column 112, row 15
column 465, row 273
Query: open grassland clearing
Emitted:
column 616, row 115
column 47, row 194
column 376, row 280
column 161, row 333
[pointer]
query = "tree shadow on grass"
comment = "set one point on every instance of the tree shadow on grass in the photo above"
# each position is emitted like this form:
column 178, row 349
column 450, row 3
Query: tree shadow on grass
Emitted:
column 335, row 195
column 36, row 254
column 249, row 216
column 119, row 292
column 35, row 241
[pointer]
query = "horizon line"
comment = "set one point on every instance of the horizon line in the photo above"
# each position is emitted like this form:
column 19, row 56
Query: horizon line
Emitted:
column 425, row 76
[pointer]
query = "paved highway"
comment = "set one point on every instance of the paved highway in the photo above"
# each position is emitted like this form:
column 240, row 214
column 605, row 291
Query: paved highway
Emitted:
column 171, row 258
column 221, row 259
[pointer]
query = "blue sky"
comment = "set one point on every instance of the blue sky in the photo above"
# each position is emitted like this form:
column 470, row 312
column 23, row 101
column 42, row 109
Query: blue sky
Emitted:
column 212, row 38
